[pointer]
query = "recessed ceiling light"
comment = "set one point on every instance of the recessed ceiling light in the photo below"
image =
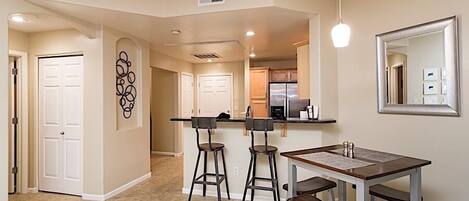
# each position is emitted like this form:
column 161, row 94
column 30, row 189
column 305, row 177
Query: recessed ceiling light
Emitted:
column 252, row 55
column 18, row 18
column 209, row 61
column 175, row 32
column 250, row 33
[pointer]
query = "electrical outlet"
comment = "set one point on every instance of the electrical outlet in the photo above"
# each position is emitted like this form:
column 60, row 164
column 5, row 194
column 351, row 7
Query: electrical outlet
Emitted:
column 236, row 171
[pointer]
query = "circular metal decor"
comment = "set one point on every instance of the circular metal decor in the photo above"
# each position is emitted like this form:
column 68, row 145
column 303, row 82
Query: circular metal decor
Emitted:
column 125, row 89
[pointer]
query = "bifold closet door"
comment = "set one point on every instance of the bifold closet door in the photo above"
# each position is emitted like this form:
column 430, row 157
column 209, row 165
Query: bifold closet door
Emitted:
column 60, row 124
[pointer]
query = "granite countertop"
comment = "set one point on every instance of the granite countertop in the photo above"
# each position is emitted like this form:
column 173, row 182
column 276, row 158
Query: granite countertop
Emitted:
column 288, row 120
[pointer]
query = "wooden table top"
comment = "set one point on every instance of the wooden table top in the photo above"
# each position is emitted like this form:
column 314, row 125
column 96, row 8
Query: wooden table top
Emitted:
column 377, row 170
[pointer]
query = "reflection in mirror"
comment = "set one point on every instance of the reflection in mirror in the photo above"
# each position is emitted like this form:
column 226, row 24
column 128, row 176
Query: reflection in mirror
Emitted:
column 418, row 69
column 414, row 69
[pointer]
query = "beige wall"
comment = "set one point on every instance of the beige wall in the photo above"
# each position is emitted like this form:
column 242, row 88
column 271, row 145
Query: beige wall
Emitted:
column 166, row 62
column 126, row 152
column 162, row 61
column 63, row 42
column 439, row 139
column 18, row 40
column 104, row 168
column 234, row 68
column 164, row 99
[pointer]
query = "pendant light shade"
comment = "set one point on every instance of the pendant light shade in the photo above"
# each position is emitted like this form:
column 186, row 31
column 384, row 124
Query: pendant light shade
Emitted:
column 341, row 32
column 340, row 35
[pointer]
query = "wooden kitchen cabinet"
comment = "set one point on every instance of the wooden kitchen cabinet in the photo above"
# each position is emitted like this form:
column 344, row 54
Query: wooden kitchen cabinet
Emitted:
column 284, row 75
column 259, row 87
column 293, row 76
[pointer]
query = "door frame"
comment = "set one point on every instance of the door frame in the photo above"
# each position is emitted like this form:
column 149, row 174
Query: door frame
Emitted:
column 180, row 140
column 215, row 74
column 23, row 124
column 193, row 90
column 36, row 117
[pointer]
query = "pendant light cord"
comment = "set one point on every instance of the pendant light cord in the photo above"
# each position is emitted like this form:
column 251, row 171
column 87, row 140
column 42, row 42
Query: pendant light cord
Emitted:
column 340, row 11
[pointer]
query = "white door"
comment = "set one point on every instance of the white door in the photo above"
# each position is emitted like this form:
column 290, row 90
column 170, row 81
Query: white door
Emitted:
column 187, row 98
column 214, row 95
column 60, row 124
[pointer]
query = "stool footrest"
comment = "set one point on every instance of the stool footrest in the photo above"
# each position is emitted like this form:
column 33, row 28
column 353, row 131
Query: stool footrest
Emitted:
column 262, row 188
column 220, row 179
column 263, row 179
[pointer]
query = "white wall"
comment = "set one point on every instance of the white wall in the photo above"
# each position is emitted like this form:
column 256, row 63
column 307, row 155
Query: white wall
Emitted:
column 443, row 140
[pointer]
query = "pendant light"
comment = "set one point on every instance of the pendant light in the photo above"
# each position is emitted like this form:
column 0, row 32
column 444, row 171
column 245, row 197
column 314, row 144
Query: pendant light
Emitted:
column 341, row 32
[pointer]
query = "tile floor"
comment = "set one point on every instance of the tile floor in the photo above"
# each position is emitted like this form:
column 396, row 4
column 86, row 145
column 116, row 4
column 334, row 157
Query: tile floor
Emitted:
column 165, row 185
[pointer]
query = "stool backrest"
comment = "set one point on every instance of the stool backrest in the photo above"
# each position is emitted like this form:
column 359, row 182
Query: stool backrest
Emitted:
column 264, row 125
column 207, row 123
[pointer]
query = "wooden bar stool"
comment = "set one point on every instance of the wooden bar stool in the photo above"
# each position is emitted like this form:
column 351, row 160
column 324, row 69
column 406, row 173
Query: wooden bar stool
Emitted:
column 264, row 125
column 314, row 185
column 209, row 123
column 304, row 198
column 388, row 193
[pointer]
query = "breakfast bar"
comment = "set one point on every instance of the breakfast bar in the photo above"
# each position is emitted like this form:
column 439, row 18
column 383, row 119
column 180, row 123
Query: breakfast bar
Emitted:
column 299, row 134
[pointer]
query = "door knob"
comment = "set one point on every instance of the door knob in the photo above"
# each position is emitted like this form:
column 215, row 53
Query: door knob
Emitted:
column 62, row 133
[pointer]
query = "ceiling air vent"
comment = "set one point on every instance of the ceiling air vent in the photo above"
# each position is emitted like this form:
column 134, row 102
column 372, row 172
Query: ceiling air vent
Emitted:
column 207, row 56
column 210, row 2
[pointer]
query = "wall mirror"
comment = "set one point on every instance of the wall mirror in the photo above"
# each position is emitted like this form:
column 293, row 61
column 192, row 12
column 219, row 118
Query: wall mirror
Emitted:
column 418, row 69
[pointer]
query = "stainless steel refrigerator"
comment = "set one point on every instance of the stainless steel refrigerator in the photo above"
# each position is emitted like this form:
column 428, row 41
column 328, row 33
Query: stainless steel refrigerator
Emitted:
column 281, row 94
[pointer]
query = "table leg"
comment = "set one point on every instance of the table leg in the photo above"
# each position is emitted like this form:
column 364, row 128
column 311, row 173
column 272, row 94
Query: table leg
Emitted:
column 416, row 185
column 342, row 190
column 292, row 179
column 363, row 190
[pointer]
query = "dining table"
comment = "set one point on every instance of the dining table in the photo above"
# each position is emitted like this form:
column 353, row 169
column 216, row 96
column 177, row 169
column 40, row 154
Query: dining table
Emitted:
column 366, row 168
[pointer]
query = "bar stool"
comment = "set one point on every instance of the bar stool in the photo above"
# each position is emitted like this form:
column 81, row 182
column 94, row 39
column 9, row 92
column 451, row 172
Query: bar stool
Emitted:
column 387, row 193
column 304, row 198
column 209, row 123
column 313, row 186
column 264, row 125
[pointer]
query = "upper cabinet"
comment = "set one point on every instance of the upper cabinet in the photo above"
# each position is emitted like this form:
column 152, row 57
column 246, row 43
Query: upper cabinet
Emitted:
column 284, row 75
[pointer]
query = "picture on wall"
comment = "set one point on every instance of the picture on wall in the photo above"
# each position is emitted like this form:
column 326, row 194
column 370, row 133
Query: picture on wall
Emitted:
column 430, row 88
column 431, row 74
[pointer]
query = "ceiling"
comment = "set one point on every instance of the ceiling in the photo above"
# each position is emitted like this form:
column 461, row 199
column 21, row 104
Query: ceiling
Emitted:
column 223, row 33
column 39, row 22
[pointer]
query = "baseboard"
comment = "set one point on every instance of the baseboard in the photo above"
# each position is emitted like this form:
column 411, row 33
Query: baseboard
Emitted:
column 33, row 190
column 235, row 196
column 117, row 190
column 167, row 153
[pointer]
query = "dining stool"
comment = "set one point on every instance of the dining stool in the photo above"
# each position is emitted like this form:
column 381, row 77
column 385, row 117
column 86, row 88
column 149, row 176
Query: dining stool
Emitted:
column 313, row 186
column 304, row 198
column 264, row 125
column 209, row 123
column 388, row 193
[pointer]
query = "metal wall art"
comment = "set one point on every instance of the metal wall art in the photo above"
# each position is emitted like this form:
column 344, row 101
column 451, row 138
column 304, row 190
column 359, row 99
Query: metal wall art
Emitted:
column 125, row 88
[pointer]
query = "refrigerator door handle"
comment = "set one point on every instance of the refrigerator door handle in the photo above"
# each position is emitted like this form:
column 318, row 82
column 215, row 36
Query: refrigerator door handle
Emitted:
column 286, row 108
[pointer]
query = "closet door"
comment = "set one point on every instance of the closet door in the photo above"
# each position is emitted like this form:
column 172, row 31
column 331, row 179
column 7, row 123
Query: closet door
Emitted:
column 60, row 124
